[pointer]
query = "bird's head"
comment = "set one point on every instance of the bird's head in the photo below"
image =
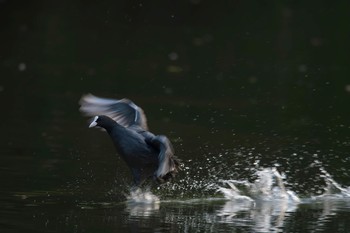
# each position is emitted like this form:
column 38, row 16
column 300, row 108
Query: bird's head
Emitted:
column 102, row 121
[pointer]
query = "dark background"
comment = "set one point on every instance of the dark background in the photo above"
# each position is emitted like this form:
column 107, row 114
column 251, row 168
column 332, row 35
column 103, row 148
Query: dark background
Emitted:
column 212, row 75
column 237, row 86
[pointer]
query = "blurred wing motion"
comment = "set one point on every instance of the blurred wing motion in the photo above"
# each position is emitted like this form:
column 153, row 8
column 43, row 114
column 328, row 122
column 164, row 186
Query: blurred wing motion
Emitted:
column 123, row 111
column 167, row 163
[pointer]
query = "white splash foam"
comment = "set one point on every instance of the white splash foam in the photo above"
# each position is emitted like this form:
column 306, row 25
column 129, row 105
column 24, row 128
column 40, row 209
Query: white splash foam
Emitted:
column 269, row 186
column 333, row 189
column 233, row 193
column 142, row 203
column 142, row 197
column 267, row 201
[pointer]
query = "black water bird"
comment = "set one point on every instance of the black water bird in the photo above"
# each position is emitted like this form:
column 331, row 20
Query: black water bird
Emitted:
column 147, row 155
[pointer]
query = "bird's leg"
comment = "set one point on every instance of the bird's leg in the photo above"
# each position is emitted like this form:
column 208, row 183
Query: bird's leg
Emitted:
column 136, row 174
column 156, row 179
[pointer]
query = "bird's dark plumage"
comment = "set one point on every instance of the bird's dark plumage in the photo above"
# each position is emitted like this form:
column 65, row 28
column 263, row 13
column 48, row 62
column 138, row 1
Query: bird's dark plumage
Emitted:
column 145, row 153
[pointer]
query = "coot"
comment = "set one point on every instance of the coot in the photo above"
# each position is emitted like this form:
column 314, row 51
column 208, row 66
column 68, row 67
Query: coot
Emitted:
column 146, row 154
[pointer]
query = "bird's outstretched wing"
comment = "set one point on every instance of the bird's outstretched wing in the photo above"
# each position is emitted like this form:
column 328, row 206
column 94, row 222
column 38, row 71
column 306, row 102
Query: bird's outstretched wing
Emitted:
column 123, row 111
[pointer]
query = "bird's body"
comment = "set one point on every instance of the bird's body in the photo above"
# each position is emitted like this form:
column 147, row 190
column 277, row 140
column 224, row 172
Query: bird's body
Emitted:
column 146, row 154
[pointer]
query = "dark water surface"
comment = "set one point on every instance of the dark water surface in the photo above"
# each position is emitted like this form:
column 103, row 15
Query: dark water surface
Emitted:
column 246, row 91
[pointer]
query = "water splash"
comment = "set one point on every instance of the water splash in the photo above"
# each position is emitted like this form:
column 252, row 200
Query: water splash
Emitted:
column 269, row 186
column 332, row 189
column 139, row 196
column 266, row 200
column 142, row 203
column 199, row 177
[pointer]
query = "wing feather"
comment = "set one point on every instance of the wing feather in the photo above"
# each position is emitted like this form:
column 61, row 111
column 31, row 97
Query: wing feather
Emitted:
column 123, row 111
column 167, row 162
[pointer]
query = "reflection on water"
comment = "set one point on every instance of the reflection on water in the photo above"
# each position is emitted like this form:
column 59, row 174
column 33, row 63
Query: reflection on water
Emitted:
column 142, row 209
column 264, row 205
column 261, row 216
column 222, row 191
column 242, row 206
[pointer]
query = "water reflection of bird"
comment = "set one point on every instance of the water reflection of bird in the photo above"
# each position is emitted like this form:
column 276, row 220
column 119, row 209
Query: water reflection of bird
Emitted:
column 147, row 155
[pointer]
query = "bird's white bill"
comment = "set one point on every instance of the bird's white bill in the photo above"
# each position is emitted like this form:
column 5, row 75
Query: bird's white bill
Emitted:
column 93, row 123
